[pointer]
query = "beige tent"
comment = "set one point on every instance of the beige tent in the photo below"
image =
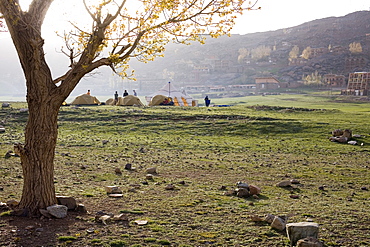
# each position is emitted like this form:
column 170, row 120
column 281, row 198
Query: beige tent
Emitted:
column 85, row 99
column 128, row 100
column 157, row 100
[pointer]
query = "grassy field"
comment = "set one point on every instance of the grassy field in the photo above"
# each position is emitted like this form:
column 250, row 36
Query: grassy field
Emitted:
column 260, row 140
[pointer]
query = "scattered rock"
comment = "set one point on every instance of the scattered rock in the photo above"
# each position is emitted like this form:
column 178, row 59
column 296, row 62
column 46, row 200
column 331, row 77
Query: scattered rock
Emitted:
column 141, row 222
column 128, row 166
column 242, row 192
column 2, row 129
column 278, row 223
column 254, row 190
column 81, row 208
column 242, row 185
column 170, row 187
column 230, row 193
column 113, row 190
column 364, row 188
column 152, row 170
column 67, row 201
column 104, row 142
column 256, row 218
column 294, row 196
column 105, row 219
column 120, row 217
column 309, row 242
column 58, row 211
column 4, row 206
column 300, row 230
column 285, row 183
column 149, row 177
column 118, row 171
column 352, row 142
column 116, row 195
column 5, row 105
column 45, row 213
column 269, row 218
column 294, row 181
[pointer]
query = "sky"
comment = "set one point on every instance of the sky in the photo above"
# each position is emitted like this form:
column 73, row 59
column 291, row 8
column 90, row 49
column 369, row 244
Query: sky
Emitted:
column 274, row 14
column 277, row 14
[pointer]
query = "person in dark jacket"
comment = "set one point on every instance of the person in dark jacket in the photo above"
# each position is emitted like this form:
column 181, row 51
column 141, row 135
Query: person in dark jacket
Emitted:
column 207, row 101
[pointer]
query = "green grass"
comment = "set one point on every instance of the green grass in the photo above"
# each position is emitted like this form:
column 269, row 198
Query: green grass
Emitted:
column 261, row 140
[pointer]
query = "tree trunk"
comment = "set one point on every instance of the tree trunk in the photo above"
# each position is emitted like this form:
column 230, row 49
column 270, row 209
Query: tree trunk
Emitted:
column 37, row 159
column 44, row 99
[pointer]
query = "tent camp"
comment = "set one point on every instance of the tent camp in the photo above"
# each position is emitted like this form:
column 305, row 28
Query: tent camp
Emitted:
column 179, row 98
column 129, row 100
column 85, row 99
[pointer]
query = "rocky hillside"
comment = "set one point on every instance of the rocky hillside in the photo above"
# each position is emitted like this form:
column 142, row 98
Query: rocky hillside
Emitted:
column 240, row 58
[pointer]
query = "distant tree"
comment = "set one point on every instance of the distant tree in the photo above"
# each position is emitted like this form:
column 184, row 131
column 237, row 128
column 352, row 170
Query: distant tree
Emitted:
column 260, row 52
column 315, row 79
column 355, row 47
column 306, row 53
column 117, row 33
column 243, row 53
column 294, row 52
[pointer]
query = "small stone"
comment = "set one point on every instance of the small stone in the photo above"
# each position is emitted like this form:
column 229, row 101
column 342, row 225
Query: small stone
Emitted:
column 68, row 201
column 285, row 183
column 81, row 208
column 242, row 192
column 118, row 171
column 170, row 187
column 269, row 218
column 255, row 218
column 294, row 181
column 2, row 129
column 254, row 190
column 256, row 197
column 58, row 211
column 29, row 227
column 364, row 188
column 294, row 196
column 322, row 187
column 113, row 190
column 90, row 230
column 45, row 213
column 151, row 170
column 242, row 185
column 105, row 219
column 149, row 177
column 278, row 223
column 120, row 217
column 115, row 195
column 309, row 242
column 40, row 229
column 128, row 166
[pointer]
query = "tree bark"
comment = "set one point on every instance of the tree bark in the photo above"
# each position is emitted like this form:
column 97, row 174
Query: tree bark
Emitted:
column 44, row 100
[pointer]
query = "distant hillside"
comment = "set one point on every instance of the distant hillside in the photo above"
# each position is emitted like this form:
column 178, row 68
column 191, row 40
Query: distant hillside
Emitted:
column 236, row 59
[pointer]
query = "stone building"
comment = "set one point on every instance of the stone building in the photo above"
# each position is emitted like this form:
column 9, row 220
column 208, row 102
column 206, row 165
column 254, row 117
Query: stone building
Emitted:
column 358, row 84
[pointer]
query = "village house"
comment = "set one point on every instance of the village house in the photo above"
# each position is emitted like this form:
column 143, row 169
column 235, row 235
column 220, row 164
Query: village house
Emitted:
column 358, row 84
column 267, row 83
column 334, row 80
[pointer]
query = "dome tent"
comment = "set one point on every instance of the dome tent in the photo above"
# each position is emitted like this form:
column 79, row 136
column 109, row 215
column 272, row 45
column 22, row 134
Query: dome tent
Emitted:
column 129, row 100
column 179, row 98
column 85, row 99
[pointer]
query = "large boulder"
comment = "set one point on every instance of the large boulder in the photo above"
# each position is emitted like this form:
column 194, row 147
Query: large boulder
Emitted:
column 300, row 230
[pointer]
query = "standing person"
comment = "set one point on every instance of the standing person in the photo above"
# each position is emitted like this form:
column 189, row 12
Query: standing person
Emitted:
column 207, row 101
column 115, row 98
column 88, row 92
column 125, row 93
column 135, row 94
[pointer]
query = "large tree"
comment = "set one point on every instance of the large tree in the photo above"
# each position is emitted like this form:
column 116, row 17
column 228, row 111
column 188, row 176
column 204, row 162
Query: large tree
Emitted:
column 117, row 33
